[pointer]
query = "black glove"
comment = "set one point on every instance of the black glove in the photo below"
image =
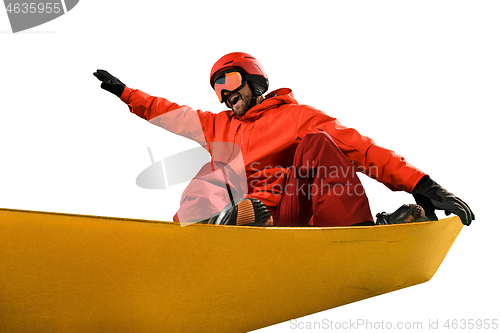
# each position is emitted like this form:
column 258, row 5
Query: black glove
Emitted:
column 110, row 83
column 430, row 195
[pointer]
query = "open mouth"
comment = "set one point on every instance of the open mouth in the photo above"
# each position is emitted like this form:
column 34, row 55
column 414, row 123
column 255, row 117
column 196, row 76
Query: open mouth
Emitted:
column 234, row 99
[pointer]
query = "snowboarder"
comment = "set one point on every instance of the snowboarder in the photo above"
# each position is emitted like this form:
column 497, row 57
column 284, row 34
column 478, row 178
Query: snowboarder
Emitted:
column 300, row 163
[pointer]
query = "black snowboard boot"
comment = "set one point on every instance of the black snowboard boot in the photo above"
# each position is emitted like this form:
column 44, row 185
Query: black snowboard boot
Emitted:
column 405, row 214
column 248, row 212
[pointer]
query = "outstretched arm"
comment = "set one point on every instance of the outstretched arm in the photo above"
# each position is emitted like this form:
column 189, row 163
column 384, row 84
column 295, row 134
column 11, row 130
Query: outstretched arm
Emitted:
column 181, row 120
column 386, row 166
column 377, row 162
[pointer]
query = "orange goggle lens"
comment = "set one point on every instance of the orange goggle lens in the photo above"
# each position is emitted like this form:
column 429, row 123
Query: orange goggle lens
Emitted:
column 227, row 82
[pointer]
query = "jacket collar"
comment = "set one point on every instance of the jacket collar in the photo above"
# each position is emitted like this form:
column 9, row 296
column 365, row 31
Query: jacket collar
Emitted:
column 272, row 100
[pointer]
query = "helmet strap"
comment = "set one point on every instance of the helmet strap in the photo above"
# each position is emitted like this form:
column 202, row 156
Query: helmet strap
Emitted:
column 256, row 92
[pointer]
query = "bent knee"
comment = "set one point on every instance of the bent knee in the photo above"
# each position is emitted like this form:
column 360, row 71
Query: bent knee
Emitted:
column 318, row 136
column 318, row 139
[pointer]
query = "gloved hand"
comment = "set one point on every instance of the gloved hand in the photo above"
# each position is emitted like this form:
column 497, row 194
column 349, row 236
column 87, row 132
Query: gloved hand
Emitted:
column 430, row 195
column 110, row 83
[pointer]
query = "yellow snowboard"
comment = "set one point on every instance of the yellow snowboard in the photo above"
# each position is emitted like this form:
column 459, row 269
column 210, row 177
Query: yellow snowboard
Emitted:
column 74, row 273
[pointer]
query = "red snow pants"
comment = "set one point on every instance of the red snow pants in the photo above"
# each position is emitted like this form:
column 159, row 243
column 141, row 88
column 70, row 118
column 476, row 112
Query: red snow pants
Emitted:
column 322, row 188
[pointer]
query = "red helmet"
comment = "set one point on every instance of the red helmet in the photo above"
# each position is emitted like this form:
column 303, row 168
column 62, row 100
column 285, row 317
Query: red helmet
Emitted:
column 249, row 65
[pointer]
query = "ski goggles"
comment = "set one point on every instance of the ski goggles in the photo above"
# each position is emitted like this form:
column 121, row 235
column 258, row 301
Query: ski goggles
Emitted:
column 228, row 81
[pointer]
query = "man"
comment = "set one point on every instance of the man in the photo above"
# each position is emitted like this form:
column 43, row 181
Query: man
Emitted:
column 300, row 164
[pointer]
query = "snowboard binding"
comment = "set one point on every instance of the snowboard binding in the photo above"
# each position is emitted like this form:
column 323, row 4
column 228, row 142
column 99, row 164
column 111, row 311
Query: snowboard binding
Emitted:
column 247, row 212
column 407, row 213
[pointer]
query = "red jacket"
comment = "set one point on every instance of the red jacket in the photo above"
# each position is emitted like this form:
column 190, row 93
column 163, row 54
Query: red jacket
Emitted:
column 268, row 134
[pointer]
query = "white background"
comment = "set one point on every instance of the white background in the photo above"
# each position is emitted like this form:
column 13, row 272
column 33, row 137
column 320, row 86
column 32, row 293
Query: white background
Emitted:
column 421, row 78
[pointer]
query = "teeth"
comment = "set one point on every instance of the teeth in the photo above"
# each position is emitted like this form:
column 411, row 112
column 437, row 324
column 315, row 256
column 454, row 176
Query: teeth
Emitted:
column 234, row 99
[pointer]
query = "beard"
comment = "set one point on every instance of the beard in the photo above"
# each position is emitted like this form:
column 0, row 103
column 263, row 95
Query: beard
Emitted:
column 240, row 101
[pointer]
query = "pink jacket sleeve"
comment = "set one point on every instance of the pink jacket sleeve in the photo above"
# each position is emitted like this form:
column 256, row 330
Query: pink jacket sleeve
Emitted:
column 181, row 120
